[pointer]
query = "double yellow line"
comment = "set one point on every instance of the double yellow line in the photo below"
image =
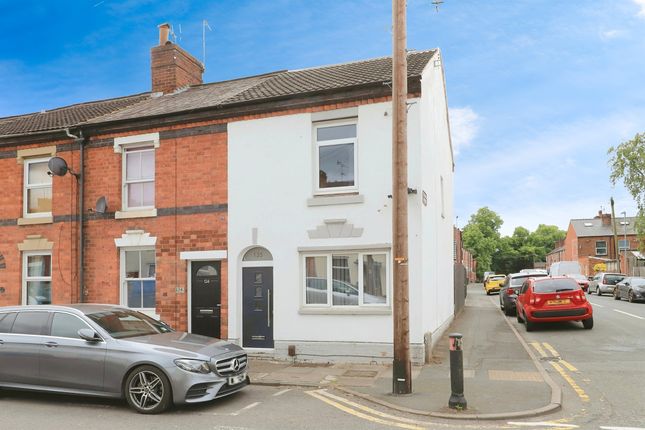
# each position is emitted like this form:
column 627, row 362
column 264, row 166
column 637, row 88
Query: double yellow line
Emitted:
column 362, row 411
column 556, row 365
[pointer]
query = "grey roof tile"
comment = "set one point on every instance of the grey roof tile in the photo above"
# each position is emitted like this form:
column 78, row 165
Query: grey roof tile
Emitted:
column 280, row 84
column 593, row 227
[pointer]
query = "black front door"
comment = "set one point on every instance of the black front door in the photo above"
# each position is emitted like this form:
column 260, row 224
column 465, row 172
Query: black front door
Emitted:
column 257, row 287
column 205, row 298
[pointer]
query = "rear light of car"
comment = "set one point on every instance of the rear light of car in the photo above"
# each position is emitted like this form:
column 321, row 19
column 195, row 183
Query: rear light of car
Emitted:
column 510, row 291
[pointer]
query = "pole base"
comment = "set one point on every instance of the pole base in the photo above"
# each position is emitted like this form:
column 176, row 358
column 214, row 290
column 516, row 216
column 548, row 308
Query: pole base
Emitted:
column 401, row 378
column 457, row 401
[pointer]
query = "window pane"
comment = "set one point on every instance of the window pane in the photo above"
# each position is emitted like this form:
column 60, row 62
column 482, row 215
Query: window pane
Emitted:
column 39, row 265
column 132, row 165
column 336, row 165
column 316, row 272
column 30, row 322
column 38, row 173
column 344, row 272
column 134, row 294
column 149, row 294
column 336, row 132
column 148, row 165
column 39, row 200
column 132, row 264
column 6, row 321
column 374, row 279
column 135, row 195
column 39, row 292
column 148, row 264
column 148, row 194
column 66, row 325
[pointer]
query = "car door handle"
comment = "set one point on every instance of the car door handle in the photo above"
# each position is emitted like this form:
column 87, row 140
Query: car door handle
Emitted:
column 51, row 344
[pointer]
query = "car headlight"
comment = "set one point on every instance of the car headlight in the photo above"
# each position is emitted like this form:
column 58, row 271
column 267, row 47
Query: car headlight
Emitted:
column 195, row 366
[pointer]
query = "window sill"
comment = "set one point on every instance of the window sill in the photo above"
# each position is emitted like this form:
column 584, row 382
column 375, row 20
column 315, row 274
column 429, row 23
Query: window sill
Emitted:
column 335, row 199
column 146, row 213
column 147, row 311
column 36, row 220
column 345, row 311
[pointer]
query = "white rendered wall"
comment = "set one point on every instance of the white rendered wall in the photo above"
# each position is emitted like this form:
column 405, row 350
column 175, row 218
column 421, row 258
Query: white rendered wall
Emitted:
column 437, row 229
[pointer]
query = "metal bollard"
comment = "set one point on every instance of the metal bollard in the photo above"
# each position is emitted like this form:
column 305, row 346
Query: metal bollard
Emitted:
column 457, row 399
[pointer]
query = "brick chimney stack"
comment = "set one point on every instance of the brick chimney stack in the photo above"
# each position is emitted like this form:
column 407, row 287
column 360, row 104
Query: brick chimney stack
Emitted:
column 605, row 218
column 172, row 67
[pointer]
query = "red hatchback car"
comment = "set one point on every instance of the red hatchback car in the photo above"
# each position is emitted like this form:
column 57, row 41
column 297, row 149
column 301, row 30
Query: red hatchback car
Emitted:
column 551, row 300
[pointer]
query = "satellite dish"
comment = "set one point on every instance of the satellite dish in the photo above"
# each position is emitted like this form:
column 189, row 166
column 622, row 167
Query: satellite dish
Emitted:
column 57, row 166
column 101, row 205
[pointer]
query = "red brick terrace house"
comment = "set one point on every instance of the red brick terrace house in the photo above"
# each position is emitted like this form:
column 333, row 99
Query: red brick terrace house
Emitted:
column 591, row 241
column 159, row 161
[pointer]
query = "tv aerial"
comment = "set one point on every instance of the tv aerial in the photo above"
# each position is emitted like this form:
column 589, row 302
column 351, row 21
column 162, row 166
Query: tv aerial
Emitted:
column 436, row 4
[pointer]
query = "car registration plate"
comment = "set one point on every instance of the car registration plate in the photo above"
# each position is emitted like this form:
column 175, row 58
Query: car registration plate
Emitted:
column 558, row 302
column 233, row 380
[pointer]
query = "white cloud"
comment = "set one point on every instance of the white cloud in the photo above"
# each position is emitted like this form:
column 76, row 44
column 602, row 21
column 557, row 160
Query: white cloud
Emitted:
column 464, row 125
column 641, row 5
column 612, row 34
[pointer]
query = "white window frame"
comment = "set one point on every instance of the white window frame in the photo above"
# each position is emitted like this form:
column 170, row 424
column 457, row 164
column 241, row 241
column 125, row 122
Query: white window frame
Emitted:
column 124, row 285
column 121, row 145
column 26, row 278
column 317, row 145
column 125, row 182
column 625, row 245
column 361, row 286
column 27, row 186
column 597, row 248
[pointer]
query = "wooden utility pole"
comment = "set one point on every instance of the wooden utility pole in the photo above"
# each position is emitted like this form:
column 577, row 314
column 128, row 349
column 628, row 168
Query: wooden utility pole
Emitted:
column 401, row 378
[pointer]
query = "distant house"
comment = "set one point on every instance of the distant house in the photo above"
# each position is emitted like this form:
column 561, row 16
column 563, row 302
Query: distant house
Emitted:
column 255, row 209
column 591, row 241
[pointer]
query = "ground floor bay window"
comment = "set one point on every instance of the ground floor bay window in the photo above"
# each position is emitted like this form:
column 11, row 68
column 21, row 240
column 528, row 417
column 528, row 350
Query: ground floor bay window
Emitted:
column 340, row 279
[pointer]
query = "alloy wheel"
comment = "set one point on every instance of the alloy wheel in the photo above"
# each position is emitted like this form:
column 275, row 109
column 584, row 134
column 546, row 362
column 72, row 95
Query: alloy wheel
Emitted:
column 147, row 390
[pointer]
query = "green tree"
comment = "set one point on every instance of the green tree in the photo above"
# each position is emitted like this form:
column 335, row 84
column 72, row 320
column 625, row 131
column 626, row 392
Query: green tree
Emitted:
column 481, row 237
column 543, row 239
column 627, row 164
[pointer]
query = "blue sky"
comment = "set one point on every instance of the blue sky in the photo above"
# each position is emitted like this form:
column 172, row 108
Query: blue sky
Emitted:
column 538, row 89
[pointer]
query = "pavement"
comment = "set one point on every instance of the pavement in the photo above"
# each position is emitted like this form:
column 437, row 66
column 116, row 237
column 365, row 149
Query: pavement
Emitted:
column 502, row 376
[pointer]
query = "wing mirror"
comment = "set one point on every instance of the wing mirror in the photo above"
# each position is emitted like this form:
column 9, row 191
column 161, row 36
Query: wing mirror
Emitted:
column 88, row 335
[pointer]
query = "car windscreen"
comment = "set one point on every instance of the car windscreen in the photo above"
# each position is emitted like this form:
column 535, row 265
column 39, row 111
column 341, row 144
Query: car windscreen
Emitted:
column 519, row 280
column 122, row 323
column 497, row 278
column 638, row 282
column 613, row 279
column 555, row 285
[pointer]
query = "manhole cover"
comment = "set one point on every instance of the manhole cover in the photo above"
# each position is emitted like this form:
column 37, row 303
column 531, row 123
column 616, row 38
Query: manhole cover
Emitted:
column 361, row 373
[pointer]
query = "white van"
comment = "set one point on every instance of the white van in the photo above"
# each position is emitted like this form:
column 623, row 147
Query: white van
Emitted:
column 564, row 268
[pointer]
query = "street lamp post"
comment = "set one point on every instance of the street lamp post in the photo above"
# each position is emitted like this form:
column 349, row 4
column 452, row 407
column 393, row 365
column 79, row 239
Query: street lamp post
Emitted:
column 625, row 246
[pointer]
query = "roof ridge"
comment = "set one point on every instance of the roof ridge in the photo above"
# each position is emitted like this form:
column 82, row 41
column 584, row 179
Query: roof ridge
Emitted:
column 367, row 60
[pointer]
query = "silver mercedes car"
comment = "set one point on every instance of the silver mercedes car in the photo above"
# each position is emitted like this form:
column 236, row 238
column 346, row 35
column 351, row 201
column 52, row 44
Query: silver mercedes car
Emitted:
column 112, row 351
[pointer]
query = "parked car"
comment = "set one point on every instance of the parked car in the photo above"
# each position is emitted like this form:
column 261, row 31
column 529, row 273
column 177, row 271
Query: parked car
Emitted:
column 493, row 283
column 510, row 288
column 581, row 280
column 560, row 268
column 630, row 288
column 111, row 351
column 605, row 282
column 552, row 299
column 542, row 271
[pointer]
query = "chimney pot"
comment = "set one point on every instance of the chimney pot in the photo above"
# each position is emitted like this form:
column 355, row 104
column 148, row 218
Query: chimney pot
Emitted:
column 164, row 31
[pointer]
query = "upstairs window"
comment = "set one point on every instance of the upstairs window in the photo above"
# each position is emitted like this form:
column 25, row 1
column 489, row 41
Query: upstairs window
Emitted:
column 37, row 196
column 139, row 177
column 623, row 245
column 601, row 247
column 336, row 162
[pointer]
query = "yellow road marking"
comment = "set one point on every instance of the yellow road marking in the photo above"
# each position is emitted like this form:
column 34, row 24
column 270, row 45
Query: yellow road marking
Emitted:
column 579, row 391
column 568, row 365
column 551, row 349
column 538, row 348
column 351, row 411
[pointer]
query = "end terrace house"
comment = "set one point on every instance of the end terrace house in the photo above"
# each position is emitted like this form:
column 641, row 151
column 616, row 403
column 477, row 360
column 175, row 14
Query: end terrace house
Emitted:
column 255, row 209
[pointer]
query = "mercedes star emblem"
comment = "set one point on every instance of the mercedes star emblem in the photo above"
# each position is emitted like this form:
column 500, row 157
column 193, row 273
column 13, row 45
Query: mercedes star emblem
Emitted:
column 235, row 365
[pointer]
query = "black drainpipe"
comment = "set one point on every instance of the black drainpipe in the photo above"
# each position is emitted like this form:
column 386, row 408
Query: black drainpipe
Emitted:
column 80, row 176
